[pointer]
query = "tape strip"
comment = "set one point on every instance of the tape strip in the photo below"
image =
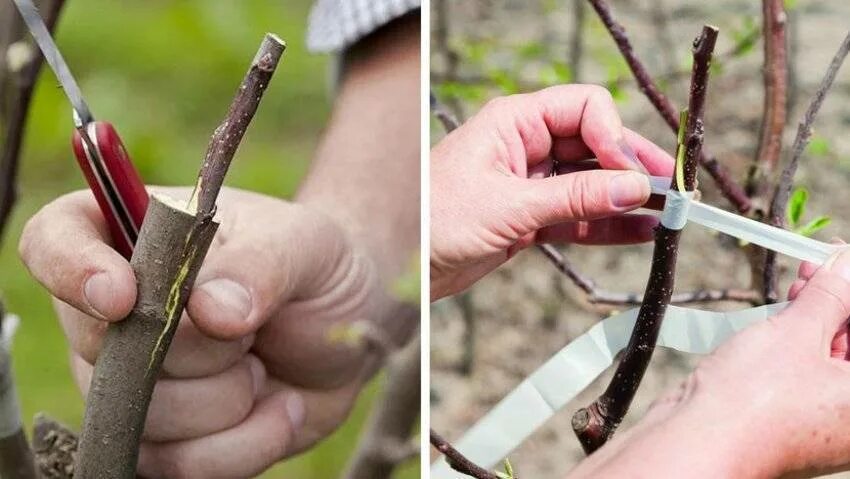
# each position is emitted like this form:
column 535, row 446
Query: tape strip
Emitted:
column 573, row 368
column 10, row 410
column 676, row 207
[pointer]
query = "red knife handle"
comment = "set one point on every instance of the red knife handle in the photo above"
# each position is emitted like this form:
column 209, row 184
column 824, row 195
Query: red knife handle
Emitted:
column 116, row 184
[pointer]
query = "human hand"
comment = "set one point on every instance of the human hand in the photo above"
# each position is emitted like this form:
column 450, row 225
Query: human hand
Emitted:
column 771, row 401
column 253, row 376
column 491, row 193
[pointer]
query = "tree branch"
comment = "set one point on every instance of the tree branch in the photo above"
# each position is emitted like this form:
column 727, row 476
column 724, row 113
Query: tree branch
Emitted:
column 458, row 461
column 596, row 295
column 775, row 73
column 731, row 190
column 595, row 424
column 172, row 245
column 782, row 192
column 17, row 81
column 392, row 419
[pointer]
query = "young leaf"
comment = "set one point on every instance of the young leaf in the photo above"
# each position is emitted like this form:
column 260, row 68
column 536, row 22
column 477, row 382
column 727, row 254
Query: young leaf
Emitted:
column 797, row 206
column 509, row 471
column 680, row 150
column 819, row 146
column 815, row 225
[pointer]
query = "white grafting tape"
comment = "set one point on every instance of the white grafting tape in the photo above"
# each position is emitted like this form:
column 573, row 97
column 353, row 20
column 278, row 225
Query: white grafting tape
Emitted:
column 676, row 207
column 10, row 411
column 573, row 368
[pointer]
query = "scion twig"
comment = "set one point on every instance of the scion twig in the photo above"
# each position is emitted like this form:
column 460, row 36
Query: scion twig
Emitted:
column 730, row 189
column 172, row 245
column 595, row 424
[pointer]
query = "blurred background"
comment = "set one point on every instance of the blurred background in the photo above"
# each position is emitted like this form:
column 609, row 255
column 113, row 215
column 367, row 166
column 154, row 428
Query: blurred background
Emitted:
column 483, row 343
column 164, row 73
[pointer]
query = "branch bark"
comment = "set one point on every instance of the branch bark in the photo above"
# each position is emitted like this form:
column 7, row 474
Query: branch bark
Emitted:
column 458, row 461
column 595, row 424
column 393, row 418
column 775, row 73
column 172, row 245
column 730, row 189
column 16, row 83
column 782, row 192
column 596, row 295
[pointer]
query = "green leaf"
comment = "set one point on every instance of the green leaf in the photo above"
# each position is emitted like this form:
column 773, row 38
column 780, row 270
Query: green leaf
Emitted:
column 746, row 37
column 462, row 91
column 819, row 146
column 797, row 206
column 815, row 225
column 680, row 150
column 509, row 471
column 563, row 72
column 790, row 4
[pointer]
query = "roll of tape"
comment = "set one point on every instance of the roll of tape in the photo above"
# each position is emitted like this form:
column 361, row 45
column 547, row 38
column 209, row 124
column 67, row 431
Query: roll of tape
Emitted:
column 676, row 207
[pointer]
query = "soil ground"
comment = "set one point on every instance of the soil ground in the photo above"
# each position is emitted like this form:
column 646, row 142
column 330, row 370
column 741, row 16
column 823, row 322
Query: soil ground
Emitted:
column 524, row 312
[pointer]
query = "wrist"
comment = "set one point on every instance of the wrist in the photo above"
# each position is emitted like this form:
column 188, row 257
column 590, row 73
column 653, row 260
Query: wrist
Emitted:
column 685, row 442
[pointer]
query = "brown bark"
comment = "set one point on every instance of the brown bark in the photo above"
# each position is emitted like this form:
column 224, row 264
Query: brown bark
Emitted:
column 392, row 421
column 172, row 245
column 458, row 461
column 166, row 259
column 782, row 192
column 730, row 189
column 595, row 424
column 16, row 88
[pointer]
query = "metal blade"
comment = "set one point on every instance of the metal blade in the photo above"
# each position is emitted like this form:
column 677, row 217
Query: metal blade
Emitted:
column 51, row 53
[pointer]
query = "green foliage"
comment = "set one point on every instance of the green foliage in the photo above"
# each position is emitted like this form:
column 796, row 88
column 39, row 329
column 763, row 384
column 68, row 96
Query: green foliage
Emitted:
column 462, row 91
column 164, row 73
column 746, row 36
column 797, row 206
column 509, row 471
column 819, row 146
column 797, row 209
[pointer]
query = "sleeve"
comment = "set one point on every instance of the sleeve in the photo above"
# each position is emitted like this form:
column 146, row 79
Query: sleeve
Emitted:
column 335, row 25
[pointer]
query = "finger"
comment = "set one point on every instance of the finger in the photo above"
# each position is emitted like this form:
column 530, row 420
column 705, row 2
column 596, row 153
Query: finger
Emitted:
column 244, row 450
column 585, row 195
column 66, row 248
column 528, row 123
column 651, row 156
column 806, row 270
column 618, row 230
column 263, row 256
column 795, row 289
column 192, row 354
column 291, row 271
column 188, row 408
column 825, row 297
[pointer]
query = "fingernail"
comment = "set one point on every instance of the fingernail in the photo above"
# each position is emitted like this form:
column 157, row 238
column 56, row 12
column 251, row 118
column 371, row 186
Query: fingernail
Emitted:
column 231, row 299
column 99, row 293
column 296, row 410
column 839, row 263
column 629, row 190
column 630, row 155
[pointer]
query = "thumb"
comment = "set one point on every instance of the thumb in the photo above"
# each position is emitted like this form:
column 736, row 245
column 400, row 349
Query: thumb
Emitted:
column 826, row 297
column 270, row 253
column 585, row 195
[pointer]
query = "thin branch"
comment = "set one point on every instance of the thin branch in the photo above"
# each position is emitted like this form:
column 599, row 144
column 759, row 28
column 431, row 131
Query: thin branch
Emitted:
column 17, row 83
column 595, row 424
column 782, row 193
column 730, row 189
column 458, row 461
column 228, row 135
column 775, row 72
column 384, row 444
column 596, row 295
column 171, row 247
column 577, row 39
column 447, row 119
